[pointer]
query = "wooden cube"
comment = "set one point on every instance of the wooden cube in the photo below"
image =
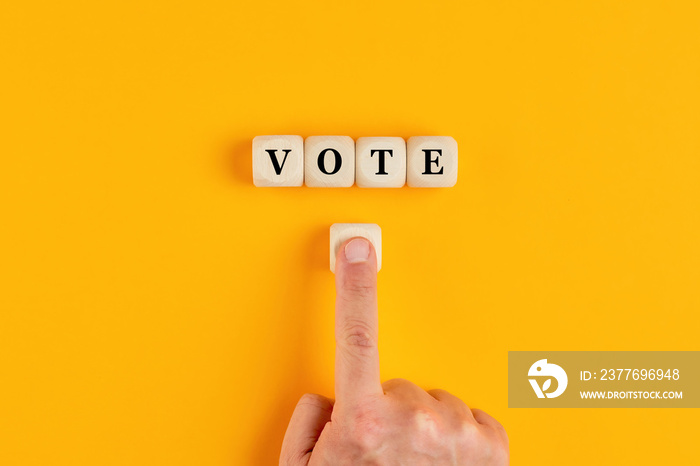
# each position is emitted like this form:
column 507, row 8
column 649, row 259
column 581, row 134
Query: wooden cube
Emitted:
column 380, row 162
column 341, row 232
column 329, row 161
column 432, row 162
column 278, row 161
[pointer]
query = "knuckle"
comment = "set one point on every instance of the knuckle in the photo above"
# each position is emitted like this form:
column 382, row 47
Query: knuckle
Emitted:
column 309, row 398
column 499, row 427
column 317, row 401
column 490, row 440
column 427, row 422
column 358, row 335
column 367, row 431
column 502, row 435
column 395, row 382
column 490, row 421
column 293, row 459
column 468, row 429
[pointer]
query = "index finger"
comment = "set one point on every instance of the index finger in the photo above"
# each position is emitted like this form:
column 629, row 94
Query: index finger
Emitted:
column 356, row 322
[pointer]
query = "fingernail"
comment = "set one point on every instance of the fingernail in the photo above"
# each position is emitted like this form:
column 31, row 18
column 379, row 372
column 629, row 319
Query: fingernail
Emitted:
column 357, row 250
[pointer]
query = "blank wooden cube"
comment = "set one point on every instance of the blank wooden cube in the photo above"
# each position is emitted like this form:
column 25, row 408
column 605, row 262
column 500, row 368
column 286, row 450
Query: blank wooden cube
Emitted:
column 432, row 162
column 278, row 161
column 329, row 161
column 380, row 162
column 341, row 232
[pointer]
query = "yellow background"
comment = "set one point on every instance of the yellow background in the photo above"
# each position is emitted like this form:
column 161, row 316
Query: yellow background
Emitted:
column 156, row 308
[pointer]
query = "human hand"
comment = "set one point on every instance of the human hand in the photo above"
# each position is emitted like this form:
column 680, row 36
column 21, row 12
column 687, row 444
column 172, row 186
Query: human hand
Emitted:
column 373, row 423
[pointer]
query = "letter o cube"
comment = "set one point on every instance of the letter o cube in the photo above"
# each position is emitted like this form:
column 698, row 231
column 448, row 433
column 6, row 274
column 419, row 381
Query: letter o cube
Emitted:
column 329, row 161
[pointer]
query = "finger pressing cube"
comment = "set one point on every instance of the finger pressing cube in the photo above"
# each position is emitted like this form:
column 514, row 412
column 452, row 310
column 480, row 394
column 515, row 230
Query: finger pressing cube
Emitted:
column 341, row 232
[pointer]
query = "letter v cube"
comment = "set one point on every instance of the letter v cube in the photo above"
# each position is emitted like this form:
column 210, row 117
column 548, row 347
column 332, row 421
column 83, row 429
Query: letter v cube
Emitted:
column 278, row 161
